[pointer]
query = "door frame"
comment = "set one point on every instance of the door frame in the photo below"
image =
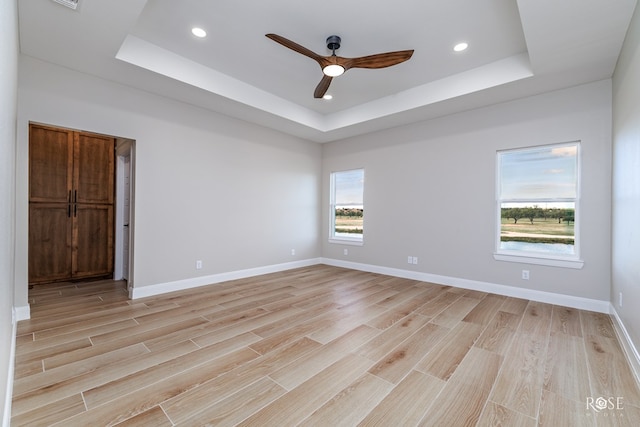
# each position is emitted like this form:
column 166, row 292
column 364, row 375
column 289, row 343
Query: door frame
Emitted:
column 125, row 148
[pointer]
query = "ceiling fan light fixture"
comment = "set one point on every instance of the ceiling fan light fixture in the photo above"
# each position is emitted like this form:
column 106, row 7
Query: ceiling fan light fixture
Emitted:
column 333, row 70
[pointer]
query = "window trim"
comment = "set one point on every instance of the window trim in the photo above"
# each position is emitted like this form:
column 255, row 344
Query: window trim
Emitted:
column 568, row 261
column 345, row 240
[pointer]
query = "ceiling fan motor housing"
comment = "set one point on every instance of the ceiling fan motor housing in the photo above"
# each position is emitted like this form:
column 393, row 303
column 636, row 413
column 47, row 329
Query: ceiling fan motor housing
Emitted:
column 333, row 42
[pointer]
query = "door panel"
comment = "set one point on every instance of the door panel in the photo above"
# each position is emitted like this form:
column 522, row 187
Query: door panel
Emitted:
column 94, row 169
column 50, row 164
column 93, row 240
column 49, row 241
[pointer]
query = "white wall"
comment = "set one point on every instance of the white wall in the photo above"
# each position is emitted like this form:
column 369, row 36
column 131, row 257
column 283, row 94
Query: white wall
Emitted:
column 441, row 175
column 8, row 83
column 234, row 195
column 626, row 183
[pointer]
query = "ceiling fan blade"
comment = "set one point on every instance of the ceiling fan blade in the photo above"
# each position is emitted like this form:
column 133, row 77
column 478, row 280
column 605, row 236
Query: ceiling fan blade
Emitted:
column 380, row 60
column 322, row 87
column 296, row 47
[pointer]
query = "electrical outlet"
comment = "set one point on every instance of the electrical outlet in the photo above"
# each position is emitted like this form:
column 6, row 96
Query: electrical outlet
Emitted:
column 293, row 251
column 414, row 260
column 620, row 299
column 345, row 251
column 199, row 264
column 409, row 259
column 525, row 274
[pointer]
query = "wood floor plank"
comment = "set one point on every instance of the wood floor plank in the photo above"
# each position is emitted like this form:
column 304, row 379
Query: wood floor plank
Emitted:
column 457, row 405
column 233, row 409
column 407, row 403
column 486, row 309
column 153, row 374
column 81, row 367
column 438, row 304
column 597, row 324
column 566, row 320
column 143, row 399
column 181, row 407
column 51, row 413
column 455, row 312
column 305, row 367
column 296, row 405
column 536, row 319
column 444, row 358
column 77, row 384
column 566, row 371
column 520, row 382
column 351, row 404
column 389, row 339
column 358, row 316
column 514, row 305
column 556, row 410
column 244, row 326
column 610, row 373
column 495, row 415
column 498, row 334
column 41, row 343
column 479, row 368
column 402, row 359
column 153, row 417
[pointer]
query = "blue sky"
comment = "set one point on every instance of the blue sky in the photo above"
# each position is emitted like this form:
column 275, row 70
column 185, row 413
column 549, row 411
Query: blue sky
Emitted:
column 349, row 187
column 541, row 173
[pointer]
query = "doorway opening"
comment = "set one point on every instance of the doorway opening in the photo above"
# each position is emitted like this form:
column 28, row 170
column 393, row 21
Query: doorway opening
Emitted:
column 123, row 261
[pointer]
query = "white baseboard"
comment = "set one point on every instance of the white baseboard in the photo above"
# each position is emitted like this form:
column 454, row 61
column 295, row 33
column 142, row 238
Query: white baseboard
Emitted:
column 6, row 417
column 530, row 294
column 179, row 285
column 23, row 313
column 627, row 343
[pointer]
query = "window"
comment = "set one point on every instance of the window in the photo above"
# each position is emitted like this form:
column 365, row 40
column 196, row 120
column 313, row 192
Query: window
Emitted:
column 347, row 207
column 537, row 205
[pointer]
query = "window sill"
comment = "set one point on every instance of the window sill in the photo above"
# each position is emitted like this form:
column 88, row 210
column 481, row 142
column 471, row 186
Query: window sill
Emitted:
column 552, row 262
column 343, row 241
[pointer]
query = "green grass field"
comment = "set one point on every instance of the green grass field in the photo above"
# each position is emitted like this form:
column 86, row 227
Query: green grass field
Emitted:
column 348, row 224
column 541, row 231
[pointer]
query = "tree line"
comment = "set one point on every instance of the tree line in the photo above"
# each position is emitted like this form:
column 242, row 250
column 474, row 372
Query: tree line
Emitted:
column 353, row 212
column 530, row 213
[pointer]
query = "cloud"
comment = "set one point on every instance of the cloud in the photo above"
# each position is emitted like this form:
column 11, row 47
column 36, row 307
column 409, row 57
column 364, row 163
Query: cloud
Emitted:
column 570, row 150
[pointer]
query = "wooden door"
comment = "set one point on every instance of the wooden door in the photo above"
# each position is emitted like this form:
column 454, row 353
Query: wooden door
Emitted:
column 71, row 195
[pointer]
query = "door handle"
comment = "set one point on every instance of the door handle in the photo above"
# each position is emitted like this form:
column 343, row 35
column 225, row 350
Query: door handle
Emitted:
column 75, row 210
column 75, row 196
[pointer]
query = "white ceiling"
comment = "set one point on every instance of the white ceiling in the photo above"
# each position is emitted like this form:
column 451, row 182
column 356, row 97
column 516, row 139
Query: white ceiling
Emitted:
column 516, row 48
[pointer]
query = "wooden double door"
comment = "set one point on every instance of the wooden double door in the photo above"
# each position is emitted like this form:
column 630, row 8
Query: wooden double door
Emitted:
column 71, row 199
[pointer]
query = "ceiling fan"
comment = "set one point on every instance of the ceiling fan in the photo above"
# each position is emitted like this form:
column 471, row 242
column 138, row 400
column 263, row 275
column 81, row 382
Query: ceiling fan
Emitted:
column 334, row 66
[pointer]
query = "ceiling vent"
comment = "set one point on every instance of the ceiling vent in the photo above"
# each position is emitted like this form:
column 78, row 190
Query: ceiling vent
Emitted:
column 71, row 4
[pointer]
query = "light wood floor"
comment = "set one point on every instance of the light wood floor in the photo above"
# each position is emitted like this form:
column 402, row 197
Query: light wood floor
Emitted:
column 317, row 346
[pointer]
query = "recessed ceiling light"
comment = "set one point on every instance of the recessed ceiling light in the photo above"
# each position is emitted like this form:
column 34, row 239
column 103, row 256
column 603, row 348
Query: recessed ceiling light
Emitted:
column 198, row 32
column 327, row 96
column 460, row 47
